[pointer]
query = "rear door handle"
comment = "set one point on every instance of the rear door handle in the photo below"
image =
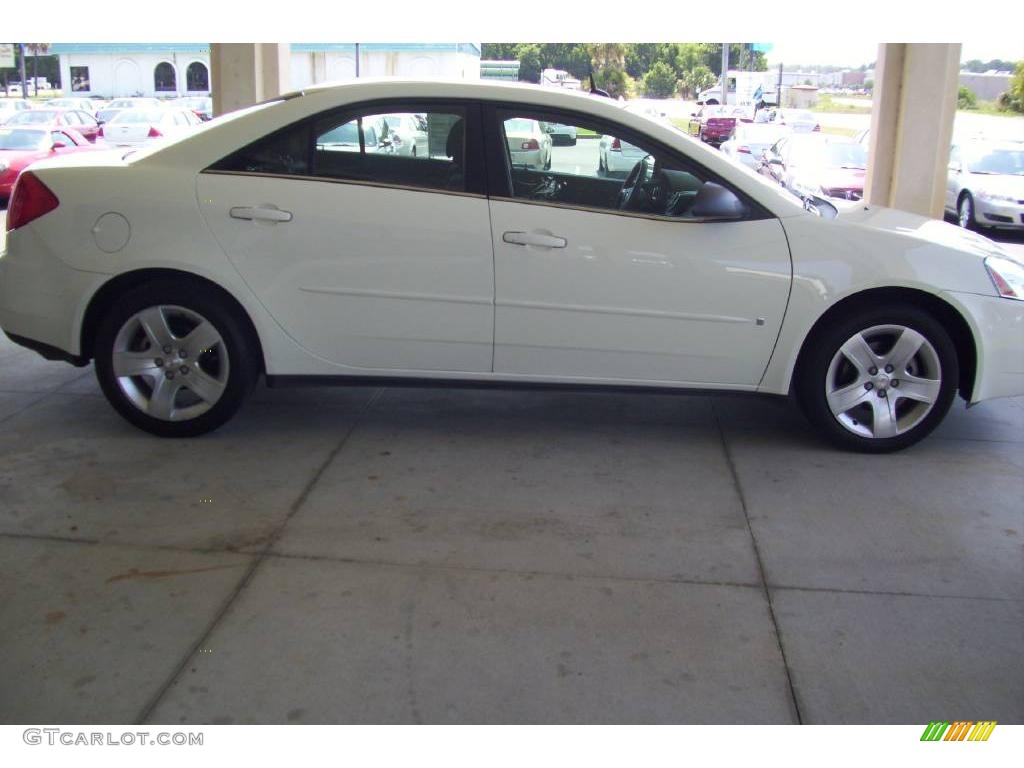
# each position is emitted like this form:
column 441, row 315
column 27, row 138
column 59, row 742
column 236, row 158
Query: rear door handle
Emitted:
column 261, row 213
column 534, row 238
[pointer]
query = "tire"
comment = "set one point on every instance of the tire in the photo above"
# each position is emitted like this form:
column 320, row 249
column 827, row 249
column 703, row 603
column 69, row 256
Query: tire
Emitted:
column 965, row 211
column 840, row 395
column 547, row 163
column 187, row 391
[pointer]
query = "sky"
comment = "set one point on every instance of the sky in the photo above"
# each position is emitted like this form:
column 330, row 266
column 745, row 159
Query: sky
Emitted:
column 843, row 33
column 853, row 54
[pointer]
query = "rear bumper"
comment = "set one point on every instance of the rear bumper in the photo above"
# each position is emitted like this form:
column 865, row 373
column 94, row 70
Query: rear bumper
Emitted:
column 42, row 299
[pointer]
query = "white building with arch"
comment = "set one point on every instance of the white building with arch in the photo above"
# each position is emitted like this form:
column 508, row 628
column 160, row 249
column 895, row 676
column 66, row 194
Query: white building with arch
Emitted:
column 111, row 70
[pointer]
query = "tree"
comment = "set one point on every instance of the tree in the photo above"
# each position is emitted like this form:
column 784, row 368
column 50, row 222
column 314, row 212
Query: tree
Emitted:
column 609, row 63
column 640, row 57
column 37, row 50
column 1013, row 99
column 966, row 99
column 697, row 79
column 660, row 82
column 529, row 62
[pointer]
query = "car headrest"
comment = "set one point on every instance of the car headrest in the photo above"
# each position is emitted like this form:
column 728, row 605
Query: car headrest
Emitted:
column 453, row 147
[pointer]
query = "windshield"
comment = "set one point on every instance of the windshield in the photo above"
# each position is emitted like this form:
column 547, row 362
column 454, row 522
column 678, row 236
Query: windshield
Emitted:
column 1009, row 162
column 34, row 117
column 18, row 139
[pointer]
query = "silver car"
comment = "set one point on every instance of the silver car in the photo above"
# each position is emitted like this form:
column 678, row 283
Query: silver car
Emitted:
column 403, row 134
column 985, row 186
column 528, row 144
column 749, row 142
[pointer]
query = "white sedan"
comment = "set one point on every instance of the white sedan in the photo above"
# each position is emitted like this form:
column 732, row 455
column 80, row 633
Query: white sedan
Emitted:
column 188, row 270
column 135, row 127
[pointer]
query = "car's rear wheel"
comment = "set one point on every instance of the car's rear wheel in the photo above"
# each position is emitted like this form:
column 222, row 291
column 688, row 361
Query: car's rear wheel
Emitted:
column 175, row 359
column 880, row 380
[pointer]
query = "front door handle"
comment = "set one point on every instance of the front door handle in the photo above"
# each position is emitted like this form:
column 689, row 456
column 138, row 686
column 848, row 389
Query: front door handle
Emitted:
column 261, row 213
column 534, row 238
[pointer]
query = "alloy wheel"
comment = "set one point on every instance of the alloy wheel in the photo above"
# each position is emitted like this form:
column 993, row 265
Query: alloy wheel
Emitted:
column 170, row 362
column 883, row 381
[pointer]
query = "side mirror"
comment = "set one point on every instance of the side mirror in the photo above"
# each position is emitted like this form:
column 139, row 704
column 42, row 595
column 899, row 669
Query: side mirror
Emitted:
column 713, row 201
column 59, row 145
column 819, row 206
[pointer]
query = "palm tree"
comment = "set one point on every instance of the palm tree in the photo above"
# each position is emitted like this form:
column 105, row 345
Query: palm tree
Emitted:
column 37, row 49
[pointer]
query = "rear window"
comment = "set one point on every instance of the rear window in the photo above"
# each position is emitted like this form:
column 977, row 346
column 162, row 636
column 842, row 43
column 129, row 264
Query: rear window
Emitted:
column 139, row 116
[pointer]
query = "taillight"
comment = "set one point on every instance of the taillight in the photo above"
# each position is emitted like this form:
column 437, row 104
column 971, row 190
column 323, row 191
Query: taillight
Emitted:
column 99, row 133
column 154, row 132
column 30, row 200
column 616, row 145
column 531, row 144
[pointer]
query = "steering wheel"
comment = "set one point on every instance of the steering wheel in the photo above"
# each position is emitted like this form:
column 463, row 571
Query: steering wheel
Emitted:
column 631, row 196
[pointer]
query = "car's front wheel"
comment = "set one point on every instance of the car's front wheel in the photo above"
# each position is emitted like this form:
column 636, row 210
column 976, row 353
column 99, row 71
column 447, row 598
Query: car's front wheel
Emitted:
column 880, row 380
column 965, row 212
column 175, row 359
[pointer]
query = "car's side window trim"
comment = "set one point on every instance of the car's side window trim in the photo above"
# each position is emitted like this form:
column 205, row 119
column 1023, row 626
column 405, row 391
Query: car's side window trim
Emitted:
column 500, row 180
column 475, row 181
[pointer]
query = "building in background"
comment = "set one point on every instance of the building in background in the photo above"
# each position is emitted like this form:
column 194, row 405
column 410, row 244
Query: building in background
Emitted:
column 113, row 70
column 987, row 85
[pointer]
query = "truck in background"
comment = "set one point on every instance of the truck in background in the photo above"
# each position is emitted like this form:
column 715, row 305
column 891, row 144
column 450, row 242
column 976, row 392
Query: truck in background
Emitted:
column 757, row 89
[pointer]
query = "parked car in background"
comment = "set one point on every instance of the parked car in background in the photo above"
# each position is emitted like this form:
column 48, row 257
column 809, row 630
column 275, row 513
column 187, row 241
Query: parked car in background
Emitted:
column 201, row 105
column 714, row 124
column 797, row 120
column 812, row 164
column 19, row 147
column 10, row 107
column 985, row 185
column 345, row 138
column 561, row 135
column 108, row 112
column 616, row 158
column 403, row 134
column 134, row 127
column 528, row 144
column 246, row 250
column 83, row 122
column 84, row 105
column 749, row 142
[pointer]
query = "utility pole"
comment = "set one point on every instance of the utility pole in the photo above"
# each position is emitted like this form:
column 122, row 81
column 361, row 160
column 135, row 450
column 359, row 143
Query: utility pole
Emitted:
column 725, row 74
column 24, row 75
column 357, row 60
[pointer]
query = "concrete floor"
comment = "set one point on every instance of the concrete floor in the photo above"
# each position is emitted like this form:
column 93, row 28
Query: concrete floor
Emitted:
column 363, row 555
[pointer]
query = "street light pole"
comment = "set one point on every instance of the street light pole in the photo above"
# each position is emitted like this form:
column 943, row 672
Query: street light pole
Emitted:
column 725, row 74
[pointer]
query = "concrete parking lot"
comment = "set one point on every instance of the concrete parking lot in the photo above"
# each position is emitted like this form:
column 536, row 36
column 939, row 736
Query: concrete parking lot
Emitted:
column 389, row 555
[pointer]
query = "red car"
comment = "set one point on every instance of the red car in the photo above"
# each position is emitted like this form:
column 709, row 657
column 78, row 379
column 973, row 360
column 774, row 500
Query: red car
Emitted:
column 76, row 119
column 715, row 124
column 20, row 147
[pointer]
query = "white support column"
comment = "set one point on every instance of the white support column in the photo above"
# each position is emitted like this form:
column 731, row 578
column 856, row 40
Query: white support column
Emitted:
column 915, row 100
column 243, row 74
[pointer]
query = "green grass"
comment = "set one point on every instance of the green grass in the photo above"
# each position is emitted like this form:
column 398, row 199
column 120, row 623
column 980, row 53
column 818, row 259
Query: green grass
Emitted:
column 826, row 104
column 837, row 131
column 990, row 108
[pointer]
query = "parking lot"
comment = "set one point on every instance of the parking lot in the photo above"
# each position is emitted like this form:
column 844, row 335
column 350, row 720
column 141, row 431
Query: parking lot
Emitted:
column 389, row 555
